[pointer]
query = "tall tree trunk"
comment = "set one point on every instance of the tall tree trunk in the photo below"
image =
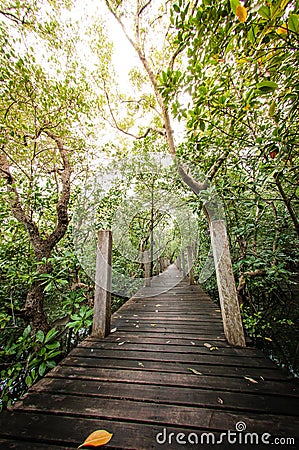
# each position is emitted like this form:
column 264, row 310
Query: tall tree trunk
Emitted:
column 33, row 310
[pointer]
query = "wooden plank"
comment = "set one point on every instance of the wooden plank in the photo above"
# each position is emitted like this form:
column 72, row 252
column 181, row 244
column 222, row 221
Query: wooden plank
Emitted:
column 173, row 395
column 184, row 377
column 191, row 347
column 23, row 445
column 126, row 435
column 159, row 339
column 151, row 355
column 161, row 414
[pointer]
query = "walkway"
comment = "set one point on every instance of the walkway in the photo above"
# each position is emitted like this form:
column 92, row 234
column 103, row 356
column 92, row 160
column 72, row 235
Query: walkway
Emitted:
column 167, row 366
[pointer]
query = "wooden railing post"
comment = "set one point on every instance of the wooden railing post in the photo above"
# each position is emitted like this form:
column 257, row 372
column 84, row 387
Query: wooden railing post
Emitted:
column 102, row 298
column 147, row 268
column 183, row 263
column 190, row 264
column 179, row 262
column 231, row 316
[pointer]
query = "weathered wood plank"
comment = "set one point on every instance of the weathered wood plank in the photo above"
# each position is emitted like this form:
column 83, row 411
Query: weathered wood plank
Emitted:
column 213, row 382
column 155, row 372
column 160, row 414
column 172, row 395
column 151, row 355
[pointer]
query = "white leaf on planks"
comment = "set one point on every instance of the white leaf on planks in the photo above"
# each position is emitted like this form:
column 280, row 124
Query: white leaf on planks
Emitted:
column 220, row 401
column 158, row 305
column 140, row 364
column 113, row 330
column 194, row 371
column 121, row 343
column 193, row 343
column 207, row 345
column 251, row 380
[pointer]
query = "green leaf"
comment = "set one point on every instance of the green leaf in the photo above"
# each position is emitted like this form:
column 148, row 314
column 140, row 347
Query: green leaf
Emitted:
column 42, row 369
column 28, row 381
column 202, row 125
column 234, row 4
column 50, row 335
column 272, row 109
column 26, row 332
column 265, row 12
column 176, row 8
column 293, row 23
column 40, row 335
column 267, row 86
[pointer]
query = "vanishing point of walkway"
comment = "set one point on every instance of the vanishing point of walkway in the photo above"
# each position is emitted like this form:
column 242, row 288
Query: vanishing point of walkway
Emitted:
column 166, row 368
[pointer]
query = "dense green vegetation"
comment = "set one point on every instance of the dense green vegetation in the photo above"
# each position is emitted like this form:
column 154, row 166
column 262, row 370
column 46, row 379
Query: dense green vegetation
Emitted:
column 223, row 71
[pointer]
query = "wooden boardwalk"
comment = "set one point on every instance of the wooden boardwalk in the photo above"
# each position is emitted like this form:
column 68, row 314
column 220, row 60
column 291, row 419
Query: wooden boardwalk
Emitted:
column 157, row 373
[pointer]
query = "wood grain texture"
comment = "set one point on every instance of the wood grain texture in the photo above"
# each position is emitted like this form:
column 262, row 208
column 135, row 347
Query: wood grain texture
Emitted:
column 155, row 371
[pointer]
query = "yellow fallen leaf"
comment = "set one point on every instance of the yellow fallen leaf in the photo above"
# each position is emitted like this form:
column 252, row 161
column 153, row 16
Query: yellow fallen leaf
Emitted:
column 251, row 380
column 213, row 348
column 97, row 439
column 153, row 324
column 241, row 13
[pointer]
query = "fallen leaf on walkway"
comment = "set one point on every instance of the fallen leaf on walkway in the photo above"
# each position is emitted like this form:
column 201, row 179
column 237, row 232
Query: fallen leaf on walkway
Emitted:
column 251, row 380
column 194, row 371
column 97, row 439
column 153, row 324
column 207, row 345
column 193, row 343
column 167, row 342
column 213, row 348
column 113, row 330
column 157, row 310
column 121, row 343
column 158, row 305
column 140, row 364
column 220, row 401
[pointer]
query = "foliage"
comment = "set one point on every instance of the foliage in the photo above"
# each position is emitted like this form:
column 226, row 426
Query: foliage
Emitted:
column 25, row 358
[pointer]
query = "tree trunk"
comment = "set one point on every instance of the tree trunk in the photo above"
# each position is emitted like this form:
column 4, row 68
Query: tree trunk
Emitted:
column 33, row 310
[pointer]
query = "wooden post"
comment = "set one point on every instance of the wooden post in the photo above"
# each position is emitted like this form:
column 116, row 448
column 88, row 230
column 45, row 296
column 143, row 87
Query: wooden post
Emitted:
column 190, row 264
column 183, row 263
column 231, row 316
column 179, row 262
column 102, row 299
column 147, row 268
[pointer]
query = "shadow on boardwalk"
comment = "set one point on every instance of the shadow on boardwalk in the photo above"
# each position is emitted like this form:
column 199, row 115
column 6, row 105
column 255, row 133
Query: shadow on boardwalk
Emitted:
column 166, row 369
